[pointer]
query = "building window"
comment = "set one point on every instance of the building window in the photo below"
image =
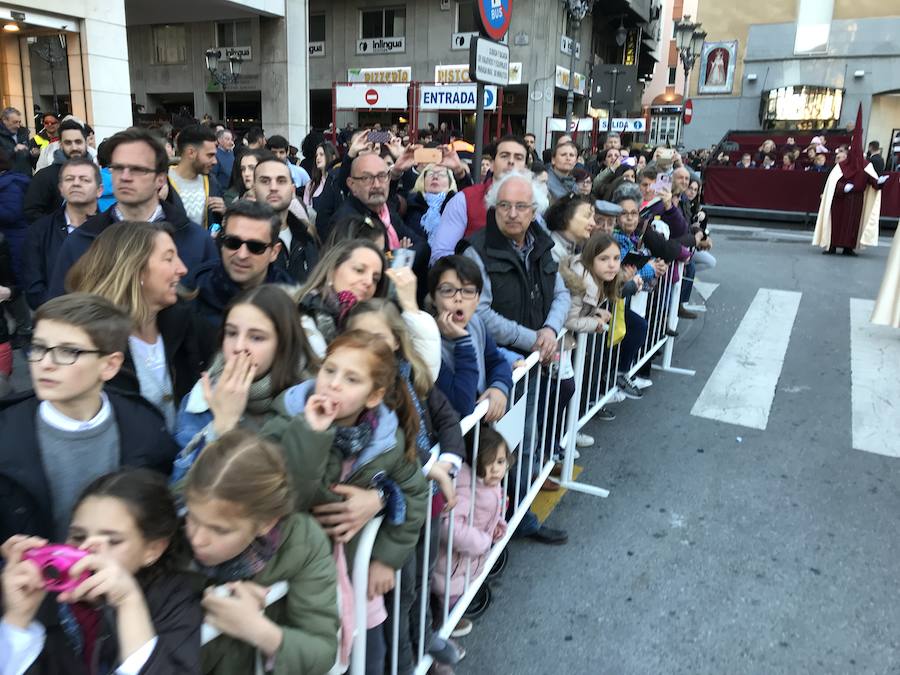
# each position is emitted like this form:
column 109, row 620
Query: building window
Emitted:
column 465, row 17
column 801, row 107
column 317, row 28
column 169, row 44
column 382, row 23
column 673, row 73
column 233, row 33
column 664, row 128
column 813, row 26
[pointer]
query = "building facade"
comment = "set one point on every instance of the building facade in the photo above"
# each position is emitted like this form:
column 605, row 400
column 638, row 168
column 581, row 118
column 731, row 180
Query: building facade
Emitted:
column 803, row 64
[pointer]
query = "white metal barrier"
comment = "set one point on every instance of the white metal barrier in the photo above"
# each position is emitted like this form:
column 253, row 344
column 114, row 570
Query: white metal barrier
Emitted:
column 534, row 426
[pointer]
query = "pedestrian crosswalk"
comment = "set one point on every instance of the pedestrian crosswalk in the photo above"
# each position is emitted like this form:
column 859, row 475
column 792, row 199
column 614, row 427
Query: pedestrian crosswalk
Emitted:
column 741, row 389
column 742, row 385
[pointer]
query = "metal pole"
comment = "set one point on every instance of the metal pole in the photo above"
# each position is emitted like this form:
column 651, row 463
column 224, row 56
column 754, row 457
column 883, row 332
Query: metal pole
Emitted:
column 224, row 105
column 575, row 27
column 688, row 65
column 479, row 132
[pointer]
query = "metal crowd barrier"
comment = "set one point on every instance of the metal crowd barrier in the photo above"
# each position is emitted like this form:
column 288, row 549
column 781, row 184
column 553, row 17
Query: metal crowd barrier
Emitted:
column 534, row 427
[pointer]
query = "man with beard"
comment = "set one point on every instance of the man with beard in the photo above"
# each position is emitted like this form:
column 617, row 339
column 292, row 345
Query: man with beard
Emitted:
column 273, row 185
column 43, row 195
column 190, row 179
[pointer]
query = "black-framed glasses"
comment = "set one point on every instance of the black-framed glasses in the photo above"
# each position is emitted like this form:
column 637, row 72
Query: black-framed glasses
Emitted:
column 233, row 243
column 447, row 291
column 60, row 354
column 369, row 179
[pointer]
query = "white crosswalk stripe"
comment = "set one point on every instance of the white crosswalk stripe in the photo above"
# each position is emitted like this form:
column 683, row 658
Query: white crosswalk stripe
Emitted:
column 875, row 382
column 742, row 386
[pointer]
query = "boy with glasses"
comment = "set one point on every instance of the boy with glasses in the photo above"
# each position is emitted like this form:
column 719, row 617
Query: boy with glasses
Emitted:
column 472, row 367
column 67, row 432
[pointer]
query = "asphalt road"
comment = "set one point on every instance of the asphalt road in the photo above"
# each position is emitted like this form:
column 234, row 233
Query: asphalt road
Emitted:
column 722, row 548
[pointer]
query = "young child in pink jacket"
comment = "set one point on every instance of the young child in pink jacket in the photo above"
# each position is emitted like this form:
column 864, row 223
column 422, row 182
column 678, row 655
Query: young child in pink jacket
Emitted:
column 474, row 529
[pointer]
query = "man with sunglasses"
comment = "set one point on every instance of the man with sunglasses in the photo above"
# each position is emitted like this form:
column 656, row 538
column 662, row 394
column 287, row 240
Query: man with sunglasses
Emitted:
column 139, row 168
column 249, row 245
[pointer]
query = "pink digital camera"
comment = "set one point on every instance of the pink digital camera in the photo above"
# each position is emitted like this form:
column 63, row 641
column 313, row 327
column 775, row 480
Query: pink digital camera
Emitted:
column 55, row 562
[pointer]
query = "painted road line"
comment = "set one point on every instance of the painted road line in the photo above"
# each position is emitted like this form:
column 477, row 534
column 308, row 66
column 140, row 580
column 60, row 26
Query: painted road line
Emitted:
column 705, row 289
column 874, row 382
column 742, row 386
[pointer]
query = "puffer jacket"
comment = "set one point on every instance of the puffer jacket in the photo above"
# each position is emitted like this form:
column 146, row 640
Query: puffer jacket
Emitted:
column 472, row 537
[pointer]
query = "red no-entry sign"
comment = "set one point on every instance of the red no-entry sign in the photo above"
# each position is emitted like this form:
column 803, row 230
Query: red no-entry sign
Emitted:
column 371, row 97
column 688, row 111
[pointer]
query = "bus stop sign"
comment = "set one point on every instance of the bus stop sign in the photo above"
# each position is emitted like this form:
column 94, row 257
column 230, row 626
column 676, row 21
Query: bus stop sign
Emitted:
column 493, row 17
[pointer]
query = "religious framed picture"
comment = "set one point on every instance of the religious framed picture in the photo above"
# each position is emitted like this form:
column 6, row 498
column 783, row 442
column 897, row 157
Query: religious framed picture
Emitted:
column 717, row 60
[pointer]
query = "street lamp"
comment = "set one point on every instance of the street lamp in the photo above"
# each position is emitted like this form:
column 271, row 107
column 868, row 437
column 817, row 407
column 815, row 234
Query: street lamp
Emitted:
column 689, row 38
column 577, row 10
column 223, row 77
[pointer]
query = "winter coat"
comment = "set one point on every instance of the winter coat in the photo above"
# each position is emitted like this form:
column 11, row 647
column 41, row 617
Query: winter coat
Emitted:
column 179, row 331
column 6, row 279
column 316, row 465
column 584, row 313
column 307, row 615
column 8, row 141
column 45, row 237
column 194, row 244
column 43, row 195
column 215, row 290
column 174, row 607
column 303, row 255
column 13, row 224
column 472, row 537
column 25, row 498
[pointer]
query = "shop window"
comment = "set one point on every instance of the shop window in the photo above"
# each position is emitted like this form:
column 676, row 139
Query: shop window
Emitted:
column 169, row 44
column 317, row 28
column 465, row 17
column 233, row 33
column 663, row 128
column 382, row 23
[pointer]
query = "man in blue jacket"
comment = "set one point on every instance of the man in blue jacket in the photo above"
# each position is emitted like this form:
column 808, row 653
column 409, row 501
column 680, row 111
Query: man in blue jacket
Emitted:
column 139, row 166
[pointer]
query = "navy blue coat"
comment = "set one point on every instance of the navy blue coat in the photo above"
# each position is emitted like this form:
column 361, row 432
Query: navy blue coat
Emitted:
column 13, row 225
column 195, row 245
column 45, row 237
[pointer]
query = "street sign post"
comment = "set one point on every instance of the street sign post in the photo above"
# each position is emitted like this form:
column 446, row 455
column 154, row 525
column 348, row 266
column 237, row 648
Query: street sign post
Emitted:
column 488, row 63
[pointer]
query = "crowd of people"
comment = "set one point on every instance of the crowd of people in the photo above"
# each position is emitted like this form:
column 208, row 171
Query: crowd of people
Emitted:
column 238, row 360
column 815, row 157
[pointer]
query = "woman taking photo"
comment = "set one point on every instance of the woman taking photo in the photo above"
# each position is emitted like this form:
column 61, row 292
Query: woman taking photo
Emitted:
column 136, row 266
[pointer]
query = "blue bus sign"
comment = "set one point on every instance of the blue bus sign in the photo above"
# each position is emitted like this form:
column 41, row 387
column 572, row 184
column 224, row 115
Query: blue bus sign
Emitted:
column 493, row 16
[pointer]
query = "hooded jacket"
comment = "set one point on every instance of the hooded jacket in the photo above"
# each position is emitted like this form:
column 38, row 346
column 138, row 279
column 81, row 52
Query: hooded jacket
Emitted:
column 194, row 244
column 315, row 465
column 301, row 257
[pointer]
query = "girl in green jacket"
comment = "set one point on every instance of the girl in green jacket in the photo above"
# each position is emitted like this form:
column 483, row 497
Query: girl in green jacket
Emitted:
column 348, row 434
column 249, row 543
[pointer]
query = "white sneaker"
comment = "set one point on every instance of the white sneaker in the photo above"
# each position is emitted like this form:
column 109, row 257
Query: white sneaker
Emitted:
column 583, row 441
column 617, row 397
column 641, row 382
column 463, row 628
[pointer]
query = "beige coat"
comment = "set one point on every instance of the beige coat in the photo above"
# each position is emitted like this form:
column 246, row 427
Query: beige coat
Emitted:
column 868, row 225
column 887, row 306
column 584, row 312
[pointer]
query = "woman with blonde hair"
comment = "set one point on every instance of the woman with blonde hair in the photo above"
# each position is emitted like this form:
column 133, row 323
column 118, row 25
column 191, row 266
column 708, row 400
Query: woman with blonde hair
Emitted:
column 136, row 266
column 434, row 187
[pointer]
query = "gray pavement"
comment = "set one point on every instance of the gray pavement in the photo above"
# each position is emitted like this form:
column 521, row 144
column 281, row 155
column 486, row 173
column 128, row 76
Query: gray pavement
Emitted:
column 721, row 549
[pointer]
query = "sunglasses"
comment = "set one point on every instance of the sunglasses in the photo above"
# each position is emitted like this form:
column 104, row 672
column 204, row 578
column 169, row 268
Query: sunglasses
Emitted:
column 233, row 243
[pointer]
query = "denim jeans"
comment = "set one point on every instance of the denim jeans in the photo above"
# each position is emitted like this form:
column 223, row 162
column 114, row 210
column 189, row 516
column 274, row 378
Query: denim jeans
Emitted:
column 635, row 334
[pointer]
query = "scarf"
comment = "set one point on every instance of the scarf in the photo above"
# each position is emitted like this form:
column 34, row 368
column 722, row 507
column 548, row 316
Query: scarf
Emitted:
column 328, row 310
column 432, row 217
column 384, row 215
column 353, row 440
column 260, row 396
column 247, row 564
column 423, row 441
